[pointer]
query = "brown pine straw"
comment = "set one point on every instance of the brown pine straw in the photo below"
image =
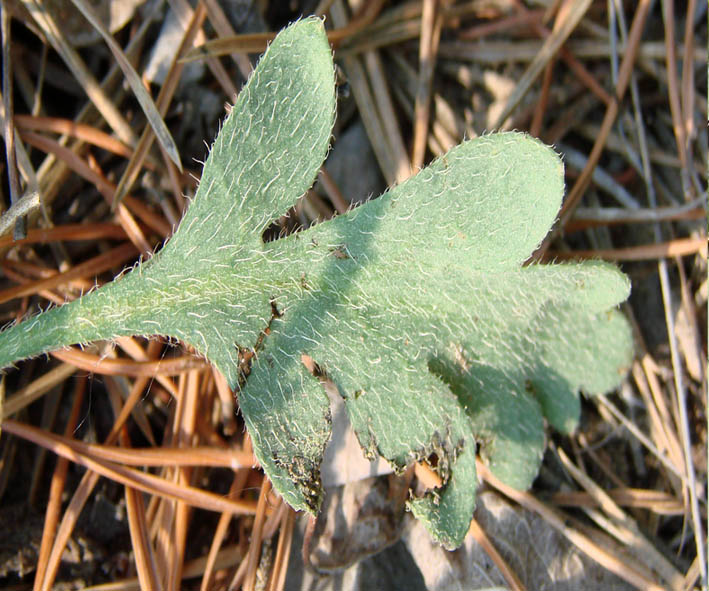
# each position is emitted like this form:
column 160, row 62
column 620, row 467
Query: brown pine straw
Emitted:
column 35, row 389
column 163, row 102
column 646, row 252
column 56, row 488
column 664, row 437
column 535, row 127
column 128, row 476
column 624, row 527
column 387, row 115
column 103, row 186
column 53, row 33
column 89, row 480
column 333, row 191
column 103, row 262
column 486, row 544
column 185, row 435
column 155, row 349
column 82, row 131
column 258, row 42
column 431, row 24
column 570, row 59
column 568, row 18
column 226, row 402
column 624, row 76
column 31, row 271
column 103, row 231
column 220, row 21
column 226, row 558
column 117, row 390
column 156, row 456
column 268, row 529
column 17, row 278
column 623, row 567
column 524, row 17
column 84, row 170
column 668, row 18
column 688, row 76
column 126, row 367
column 237, row 485
column 656, row 501
column 256, row 533
column 138, row 528
column 371, row 92
column 285, row 539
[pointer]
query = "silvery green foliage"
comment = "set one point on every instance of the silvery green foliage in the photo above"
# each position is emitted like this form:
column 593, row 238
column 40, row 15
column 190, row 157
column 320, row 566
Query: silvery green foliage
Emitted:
column 415, row 304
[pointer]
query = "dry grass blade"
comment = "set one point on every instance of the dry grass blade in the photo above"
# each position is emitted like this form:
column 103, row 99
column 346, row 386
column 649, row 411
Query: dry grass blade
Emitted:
column 372, row 96
column 684, row 429
column 668, row 17
column 18, row 210
column 8, row 128
column 661, row 424
column 221, row 23
column 387, row 116
column 586, row 217
column 184, row 13
column 26, row 170
column 146, row 102
column 688, row 74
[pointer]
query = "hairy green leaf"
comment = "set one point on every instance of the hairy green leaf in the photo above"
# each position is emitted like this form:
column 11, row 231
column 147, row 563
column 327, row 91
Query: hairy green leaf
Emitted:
column 416, row 304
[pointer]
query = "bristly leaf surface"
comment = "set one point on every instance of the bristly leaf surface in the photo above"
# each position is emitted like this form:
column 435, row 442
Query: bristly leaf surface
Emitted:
column 415, row 304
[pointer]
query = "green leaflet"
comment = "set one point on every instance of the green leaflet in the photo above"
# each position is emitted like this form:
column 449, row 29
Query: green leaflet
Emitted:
column 415, row 304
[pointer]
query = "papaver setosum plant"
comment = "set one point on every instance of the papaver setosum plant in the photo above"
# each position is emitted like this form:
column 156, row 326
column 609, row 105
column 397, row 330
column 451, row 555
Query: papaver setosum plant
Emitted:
column 416, row 304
